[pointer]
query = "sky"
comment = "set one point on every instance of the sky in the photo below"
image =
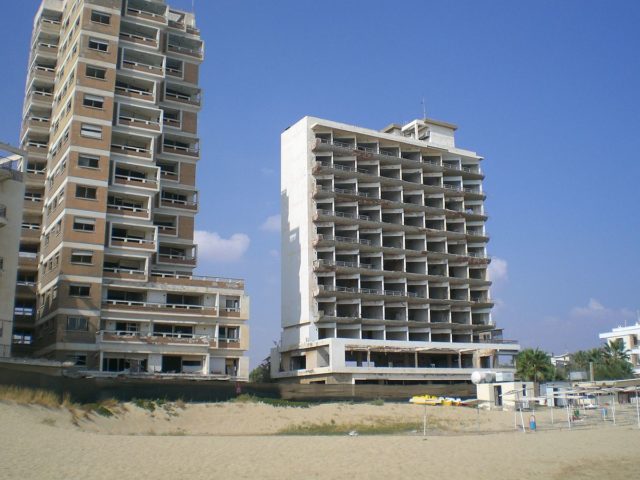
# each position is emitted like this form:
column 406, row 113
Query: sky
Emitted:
column 548, row 92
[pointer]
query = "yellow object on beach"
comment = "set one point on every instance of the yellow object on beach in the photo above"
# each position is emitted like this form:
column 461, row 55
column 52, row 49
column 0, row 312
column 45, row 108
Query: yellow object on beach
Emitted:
column 433, row 400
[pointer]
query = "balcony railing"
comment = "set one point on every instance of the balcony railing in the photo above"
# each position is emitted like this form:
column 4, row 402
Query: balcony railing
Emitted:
column 132, row 37
column 154, row 337
column 215, row 281
column 142, row 67
column 132, row 91
column 368, row 291
column 131, row 150
column 332, row 213
column 339, row 263
column 123, row 271
column 175, row 258
column 374, row 151
column 139, row 122
column 180, row 150
column 125, row 209
column 172, row 202
column 193, row 52
column 168, row 306
column 133, row 242
column 135, row 12
column 128, row 179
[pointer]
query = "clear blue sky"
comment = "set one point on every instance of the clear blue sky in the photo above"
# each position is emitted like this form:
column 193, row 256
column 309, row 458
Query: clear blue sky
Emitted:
column 547, row 91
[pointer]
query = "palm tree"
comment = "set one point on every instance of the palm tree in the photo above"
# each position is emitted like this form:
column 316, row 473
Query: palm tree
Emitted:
column 615, row 351
column 534, row 365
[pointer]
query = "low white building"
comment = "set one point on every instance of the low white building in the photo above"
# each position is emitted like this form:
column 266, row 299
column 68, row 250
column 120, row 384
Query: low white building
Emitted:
column 631, row 338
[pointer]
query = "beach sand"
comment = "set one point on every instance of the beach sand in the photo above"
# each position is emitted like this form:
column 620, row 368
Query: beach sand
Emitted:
column 242, row 440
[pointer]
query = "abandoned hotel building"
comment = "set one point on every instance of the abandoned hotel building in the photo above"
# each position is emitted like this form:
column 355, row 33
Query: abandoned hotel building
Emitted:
column 384, row 261
column 107, row 247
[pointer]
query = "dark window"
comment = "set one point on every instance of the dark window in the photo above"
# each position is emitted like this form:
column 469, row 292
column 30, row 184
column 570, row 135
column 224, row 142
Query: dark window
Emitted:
column 95, row 72
column 82, row 256
column 100, row 17
column 99, row 45
column 85, row 161
column 79, row 290
column 77, row 323
column 84, row 224
column 86, row 192
column 93, row 101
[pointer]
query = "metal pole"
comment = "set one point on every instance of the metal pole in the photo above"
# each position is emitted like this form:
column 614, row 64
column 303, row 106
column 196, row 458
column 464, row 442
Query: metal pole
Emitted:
column 424, row 421
column 568, row 416
column 613, row 403
column 637, row 407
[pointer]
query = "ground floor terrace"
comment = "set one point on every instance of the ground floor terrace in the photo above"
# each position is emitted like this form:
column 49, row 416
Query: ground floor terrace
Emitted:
column 368, row 361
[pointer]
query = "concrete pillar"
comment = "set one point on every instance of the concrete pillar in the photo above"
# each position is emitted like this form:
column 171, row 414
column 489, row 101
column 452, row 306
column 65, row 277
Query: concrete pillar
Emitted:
column 205, row 365
column 415, row 359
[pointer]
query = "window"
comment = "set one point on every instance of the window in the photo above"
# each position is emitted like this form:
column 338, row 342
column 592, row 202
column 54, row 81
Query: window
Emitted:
column 91, row 131
column 99, row 17
column 93, row 101
column 99, row 45
column 95, row 72
column 84, row 257
column 76, row 290
column 77, row 323
column 86, row 192
column 84, row 224
column 86, row 161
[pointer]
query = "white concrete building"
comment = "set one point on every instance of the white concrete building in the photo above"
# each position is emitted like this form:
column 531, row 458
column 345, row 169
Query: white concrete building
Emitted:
column 631, row 338
column 11, row 194
column 384, row 263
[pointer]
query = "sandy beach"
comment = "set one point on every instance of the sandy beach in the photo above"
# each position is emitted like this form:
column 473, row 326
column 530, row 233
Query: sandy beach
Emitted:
column 249, row 440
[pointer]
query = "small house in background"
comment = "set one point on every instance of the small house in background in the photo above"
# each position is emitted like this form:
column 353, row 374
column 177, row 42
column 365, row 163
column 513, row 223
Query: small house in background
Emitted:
column 505, row 395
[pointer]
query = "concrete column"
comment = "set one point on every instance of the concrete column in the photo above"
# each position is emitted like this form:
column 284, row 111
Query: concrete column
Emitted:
column 415, row 359
column 205, row 365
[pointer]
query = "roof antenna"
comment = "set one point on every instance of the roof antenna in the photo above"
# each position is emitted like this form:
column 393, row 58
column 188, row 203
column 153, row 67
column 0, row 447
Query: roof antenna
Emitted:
column 424, row 109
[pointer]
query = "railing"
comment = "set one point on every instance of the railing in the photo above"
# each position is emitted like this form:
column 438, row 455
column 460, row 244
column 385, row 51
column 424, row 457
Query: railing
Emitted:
column 128, row 209
column 174, row 201
column 231, row 309
column 171, row 306
column 25, row 226
column 173, row 256
column 129, row 148
column 151, row 337
column 332, row 213
column 30, row 255
column 498, row 341
column 31, row 143
column 138, row 120
column 368, row 291
column 188, row 150
column 130, row 178
column 172, row 121
column 139, row 241
column 119, row 270
column 137, row 91
column 132, row 64
column 374, row 151
column 343, row 168
column 40, row 68
column 138, row 12
column 139, row 37
column 187, row 50
column 332, row 238
column 173, row 71
column 340, row 263
column 42, row 93
column 357, row 193
column 195, row 99
column 236, row 282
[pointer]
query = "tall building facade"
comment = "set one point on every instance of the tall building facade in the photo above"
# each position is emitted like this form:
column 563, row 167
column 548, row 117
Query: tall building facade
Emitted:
column 384, row 262
column 110, row 125
column 11, row 193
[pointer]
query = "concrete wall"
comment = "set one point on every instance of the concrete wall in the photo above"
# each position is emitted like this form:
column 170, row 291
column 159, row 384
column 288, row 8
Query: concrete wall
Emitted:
column 11, row 196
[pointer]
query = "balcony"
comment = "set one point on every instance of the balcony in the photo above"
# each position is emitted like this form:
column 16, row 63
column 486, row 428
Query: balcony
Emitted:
column 138, row 117
column 231, row 312
column 127, row 206
column 147, row 179
column 37, row 122
column 179, row 200
column 139, row 34
column 30, row 231
column 182, row 95
column 130, row 145
column 180, row 146
column 27, row 259
column 148, row 11
column 142, row 62
column 189, row 47
column 196, row 280
column 136, row 89
column 40, row 96
column 47, row 48
column 174, row 255
column 172, row 308
column 138, row 238
column 37, row 147
column 389, row 155
column 127, row 337
column 119, row 273
column 45, row 73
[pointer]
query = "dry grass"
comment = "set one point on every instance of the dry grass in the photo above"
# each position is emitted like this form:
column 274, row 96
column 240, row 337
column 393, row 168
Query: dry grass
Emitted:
column 30, row 396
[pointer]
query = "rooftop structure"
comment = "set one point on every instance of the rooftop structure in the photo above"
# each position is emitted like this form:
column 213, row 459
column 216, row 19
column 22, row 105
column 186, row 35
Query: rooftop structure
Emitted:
column 384, row 262
column 107, row 248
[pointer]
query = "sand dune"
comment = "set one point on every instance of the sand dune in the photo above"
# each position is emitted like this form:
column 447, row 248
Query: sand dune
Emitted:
column 233, row 440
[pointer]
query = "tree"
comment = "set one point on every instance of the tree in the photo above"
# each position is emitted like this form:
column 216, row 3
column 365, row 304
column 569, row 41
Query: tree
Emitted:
column 615, row 351
column 262, row 373
column 534, row 365
column 610, row 362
